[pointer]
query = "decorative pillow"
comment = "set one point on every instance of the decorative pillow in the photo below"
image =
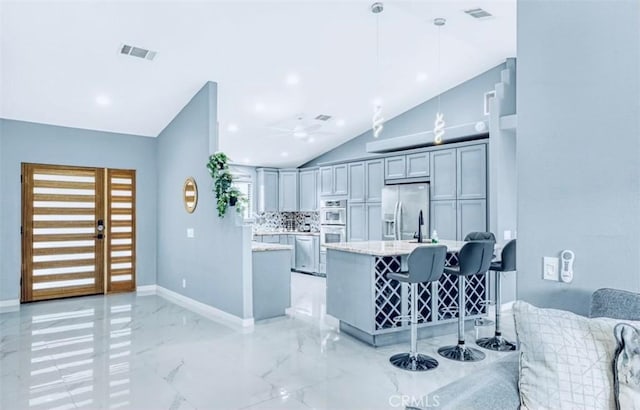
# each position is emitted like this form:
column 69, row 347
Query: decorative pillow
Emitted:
column 565, row 359
column 626, row 367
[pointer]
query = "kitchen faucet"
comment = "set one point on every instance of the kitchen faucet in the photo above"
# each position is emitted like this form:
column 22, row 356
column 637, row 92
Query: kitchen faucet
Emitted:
column 420, row 223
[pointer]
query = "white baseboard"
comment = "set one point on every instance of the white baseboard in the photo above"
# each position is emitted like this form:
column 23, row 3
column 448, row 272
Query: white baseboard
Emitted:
column 201, row 308
column 147, row 290
column 9, row 305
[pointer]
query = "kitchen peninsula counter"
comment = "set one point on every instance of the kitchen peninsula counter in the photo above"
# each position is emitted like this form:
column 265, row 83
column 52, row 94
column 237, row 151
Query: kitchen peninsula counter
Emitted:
column 366, row 303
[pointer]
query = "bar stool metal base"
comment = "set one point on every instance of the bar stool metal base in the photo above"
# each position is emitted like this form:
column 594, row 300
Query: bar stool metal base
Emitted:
column 497, row 343
column 461, row 353
column 417, row 363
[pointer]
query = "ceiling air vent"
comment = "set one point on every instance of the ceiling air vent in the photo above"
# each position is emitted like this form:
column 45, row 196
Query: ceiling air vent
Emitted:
column 478, row 13
column 323, row 117
column 139, row 52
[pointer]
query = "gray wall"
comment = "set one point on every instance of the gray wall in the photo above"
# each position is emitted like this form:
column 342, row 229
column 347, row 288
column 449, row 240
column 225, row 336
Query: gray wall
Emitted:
column 47, row 144
column 215, row 262
column 578, row 146
column 463, row 104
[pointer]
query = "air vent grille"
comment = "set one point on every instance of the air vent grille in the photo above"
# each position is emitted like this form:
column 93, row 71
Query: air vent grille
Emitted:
column 139, row 52
column 478, row 13
column 323, row 117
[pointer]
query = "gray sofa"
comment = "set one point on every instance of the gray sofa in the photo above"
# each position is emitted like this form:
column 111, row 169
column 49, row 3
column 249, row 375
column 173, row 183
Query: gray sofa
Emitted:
column 496, row 386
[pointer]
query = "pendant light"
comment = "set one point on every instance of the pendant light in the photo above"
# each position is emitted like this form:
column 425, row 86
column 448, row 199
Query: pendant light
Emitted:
column 438, row 126
column 378, row 119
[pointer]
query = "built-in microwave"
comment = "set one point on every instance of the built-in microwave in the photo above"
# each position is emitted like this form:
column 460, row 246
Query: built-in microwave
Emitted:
column 333, row 212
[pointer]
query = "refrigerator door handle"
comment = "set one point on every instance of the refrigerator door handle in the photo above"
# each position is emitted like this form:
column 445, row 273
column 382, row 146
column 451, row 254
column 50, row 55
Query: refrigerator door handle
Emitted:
column 395, row 221
column 399, row 224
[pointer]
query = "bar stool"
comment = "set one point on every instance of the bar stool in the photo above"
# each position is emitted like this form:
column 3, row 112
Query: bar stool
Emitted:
column 507, row 263
column 474, row 258
column 426, row 264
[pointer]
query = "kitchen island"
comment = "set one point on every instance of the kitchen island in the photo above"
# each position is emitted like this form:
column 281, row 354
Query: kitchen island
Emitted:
column 271, row 280
column 366, row 303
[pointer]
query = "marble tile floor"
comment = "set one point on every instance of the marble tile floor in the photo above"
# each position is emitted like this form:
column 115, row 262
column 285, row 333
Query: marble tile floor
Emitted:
column 144, row 352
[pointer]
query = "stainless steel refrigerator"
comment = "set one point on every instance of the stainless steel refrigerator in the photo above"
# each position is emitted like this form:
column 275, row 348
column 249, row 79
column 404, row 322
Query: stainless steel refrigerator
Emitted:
column 401, row 205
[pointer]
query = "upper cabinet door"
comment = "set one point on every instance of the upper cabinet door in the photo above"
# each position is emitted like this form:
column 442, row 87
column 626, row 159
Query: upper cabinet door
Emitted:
column 288, row 201
column 340, row 180
column 267, row 191
column 326, row 181
column 375, row 180
column 395, row 167
column 418, row 165
column 443, row 175
column 308, row 190
column 472, row 172
column 357, row 182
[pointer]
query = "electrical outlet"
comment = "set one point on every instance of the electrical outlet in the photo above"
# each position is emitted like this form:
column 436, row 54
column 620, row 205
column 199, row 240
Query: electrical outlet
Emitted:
column 190, row 233
column 184, row 283
column 550, row 268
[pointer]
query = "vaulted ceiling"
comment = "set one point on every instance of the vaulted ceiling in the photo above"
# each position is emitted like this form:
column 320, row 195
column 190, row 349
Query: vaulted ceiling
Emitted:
column 274, row 62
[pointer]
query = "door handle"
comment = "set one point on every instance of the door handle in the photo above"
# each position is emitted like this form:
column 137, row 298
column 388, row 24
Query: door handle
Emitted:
column 100, row 229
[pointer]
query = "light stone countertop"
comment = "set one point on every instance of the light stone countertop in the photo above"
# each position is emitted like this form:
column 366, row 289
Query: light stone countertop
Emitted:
column 390, row 248
column 267, row 233
column 265, row 247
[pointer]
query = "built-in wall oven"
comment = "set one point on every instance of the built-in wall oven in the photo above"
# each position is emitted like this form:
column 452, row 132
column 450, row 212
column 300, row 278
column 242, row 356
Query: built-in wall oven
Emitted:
column 333, row 227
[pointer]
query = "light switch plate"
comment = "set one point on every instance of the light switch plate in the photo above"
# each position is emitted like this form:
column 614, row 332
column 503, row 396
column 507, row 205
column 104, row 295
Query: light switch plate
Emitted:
column 550, row 268
column 190, row 233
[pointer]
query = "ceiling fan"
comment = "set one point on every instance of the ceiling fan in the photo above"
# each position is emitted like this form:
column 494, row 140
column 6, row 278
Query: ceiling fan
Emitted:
column 299, row 128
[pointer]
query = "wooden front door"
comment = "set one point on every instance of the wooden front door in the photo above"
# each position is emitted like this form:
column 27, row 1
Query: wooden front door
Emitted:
column 66, row 232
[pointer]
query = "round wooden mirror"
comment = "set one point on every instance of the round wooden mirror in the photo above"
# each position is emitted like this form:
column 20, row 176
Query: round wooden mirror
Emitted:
column 190, row 195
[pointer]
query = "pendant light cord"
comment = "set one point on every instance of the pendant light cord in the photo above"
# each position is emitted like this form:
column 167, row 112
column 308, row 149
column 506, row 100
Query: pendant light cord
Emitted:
column 439, row 62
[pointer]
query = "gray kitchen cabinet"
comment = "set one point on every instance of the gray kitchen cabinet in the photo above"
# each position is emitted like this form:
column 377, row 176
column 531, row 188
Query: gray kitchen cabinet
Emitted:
column 308, row 190
column 395, row 167
column 284, row 239
column 443, row 175
column 357, row 182
column 444, row 219
column 326, row 181
column 334, row 180
column 356, row 222
column 288, row 191
column 374, row 221
column 267, row 190
column 472, row 217
column 472, row 172
column 375, row 180
column 306, row 250
column 417, row 165
column 340, row 180
column 271, row 238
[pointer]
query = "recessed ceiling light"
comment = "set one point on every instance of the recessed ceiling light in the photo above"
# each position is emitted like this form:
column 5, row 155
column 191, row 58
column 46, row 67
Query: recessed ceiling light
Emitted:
column 259, row 107
column 421, row 77
column 232, row 127
column 311, row 140
column 285, row 154
column 103, row 100
column 293, row 79
column 340, row 123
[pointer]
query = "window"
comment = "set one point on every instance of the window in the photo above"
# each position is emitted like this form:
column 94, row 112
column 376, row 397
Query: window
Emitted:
column 245, row 186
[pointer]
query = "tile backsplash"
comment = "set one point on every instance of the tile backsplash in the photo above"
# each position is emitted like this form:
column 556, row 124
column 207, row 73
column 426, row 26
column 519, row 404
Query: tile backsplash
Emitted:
column 272, row 221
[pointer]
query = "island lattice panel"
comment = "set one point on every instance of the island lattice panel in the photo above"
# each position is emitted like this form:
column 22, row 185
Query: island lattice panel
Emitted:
column 393, row 299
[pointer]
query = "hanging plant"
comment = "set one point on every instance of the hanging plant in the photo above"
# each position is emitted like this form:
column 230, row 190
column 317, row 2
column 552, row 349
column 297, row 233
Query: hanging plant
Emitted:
column 226, row 194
